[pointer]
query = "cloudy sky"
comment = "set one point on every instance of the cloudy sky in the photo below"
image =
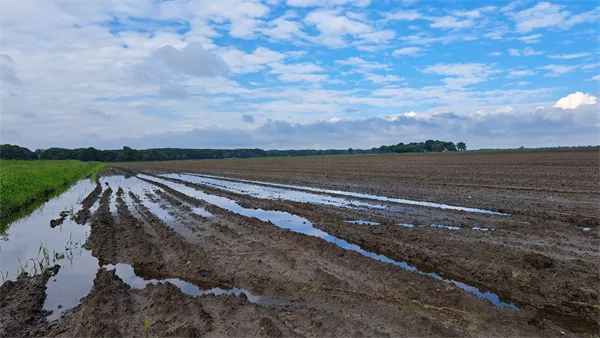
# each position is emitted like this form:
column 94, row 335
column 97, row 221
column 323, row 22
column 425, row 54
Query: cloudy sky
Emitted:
column 298, row 73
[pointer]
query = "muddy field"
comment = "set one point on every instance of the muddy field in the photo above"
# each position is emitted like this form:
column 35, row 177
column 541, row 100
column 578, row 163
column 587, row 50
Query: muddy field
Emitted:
column 474, row 244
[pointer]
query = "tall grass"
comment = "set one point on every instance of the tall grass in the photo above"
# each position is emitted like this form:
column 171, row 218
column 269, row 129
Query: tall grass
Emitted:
column 23, row 183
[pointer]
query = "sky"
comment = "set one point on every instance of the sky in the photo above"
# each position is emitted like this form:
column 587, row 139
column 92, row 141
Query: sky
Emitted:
column 291, row 74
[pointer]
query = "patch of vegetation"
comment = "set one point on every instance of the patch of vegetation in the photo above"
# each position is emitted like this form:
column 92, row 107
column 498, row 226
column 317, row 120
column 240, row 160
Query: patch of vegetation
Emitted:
column 25, row 183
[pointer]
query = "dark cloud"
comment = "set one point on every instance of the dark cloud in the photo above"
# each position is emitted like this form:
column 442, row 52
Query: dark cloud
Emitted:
column 96, row 113
column 7, row 70
column 350, row 110
column 30, row 115
column 173, row 91
column 248, row 118
column 168, row 63
column 540, row 127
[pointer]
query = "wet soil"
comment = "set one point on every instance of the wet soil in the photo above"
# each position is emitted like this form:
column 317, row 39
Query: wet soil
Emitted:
column 21, row 305
column 309, row 285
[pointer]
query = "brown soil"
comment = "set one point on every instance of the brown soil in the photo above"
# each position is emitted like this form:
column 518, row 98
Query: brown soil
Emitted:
column 21, row 303
column 537, row 258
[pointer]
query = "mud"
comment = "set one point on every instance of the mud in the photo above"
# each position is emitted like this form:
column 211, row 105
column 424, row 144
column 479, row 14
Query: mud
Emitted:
column 21, row 305
column 191, row 259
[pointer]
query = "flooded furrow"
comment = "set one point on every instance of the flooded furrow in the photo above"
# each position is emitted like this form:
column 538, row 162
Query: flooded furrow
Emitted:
column 274, row 193
column 302, row 225
column 268, row 190
column 32, row 240
column 128, row 275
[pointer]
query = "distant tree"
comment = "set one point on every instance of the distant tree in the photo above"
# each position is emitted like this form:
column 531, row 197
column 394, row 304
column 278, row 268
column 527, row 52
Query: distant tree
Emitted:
column 429, row 145
column 128, row 154
column 14, row 152
column 350, row 150
column 461, row 146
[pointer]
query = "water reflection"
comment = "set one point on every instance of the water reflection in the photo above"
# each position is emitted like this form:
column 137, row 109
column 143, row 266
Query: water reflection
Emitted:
column 302, row 225
column 227, row 182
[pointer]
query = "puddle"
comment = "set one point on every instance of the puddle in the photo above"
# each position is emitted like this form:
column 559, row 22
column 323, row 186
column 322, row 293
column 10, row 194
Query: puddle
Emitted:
column 202, row 212
column 230, row 182
column 482, row 229
column 62, row 243
column 24, row 236
column 302, row 225
column 408, row 225
column 449, row 227
column 586, row 229
column 127, row 274
column 273, row 193
column 362, row 222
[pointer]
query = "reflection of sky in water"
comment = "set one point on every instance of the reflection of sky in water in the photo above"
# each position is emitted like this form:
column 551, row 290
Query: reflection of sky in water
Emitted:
column 23, row 237
column 362, row 222
column 271, row 192
column 444, row 226
column 302, row 225
column 202, row 212
column 218, row 180
column 127, row 274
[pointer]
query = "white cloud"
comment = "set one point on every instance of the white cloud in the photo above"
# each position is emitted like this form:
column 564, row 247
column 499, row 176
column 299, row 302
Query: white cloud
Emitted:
column 410, row 15
column 242, row 62
column 330, row 22
column 495, row 54
column 591, row 65
column 362, row 64
column 461, row 74
column 547, row 15
column 407, row 51
column 450, row 22
column 527, row 51
column 534, row 38
column 596, row 78
column 557, row 70
column 570, row 56
column 575, row 100
column 376, row 78
column 319, row 3
column 521, row 73
column 284, row 29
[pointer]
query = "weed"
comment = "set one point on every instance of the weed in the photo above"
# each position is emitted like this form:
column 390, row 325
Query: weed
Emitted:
column 336, row 219
column 147, row 328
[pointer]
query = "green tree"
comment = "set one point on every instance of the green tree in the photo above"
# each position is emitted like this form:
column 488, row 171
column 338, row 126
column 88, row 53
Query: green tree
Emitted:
column 350, row 150
column 461, row 146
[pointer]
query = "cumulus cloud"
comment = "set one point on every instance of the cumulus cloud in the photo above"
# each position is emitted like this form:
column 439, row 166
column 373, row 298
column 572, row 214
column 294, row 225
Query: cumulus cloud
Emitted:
column 192, row 60
column 498, row 127
column 547, row 15
column 575, row 100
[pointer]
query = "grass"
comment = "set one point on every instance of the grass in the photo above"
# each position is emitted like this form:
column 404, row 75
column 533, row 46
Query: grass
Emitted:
column 26, row 183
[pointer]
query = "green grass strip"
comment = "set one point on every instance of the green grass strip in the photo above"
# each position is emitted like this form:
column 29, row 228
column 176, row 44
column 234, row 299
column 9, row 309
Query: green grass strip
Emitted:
column 24, row 183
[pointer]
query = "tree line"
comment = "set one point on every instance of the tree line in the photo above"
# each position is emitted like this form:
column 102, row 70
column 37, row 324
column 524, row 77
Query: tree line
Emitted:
column 128, row 154
column 427, row 146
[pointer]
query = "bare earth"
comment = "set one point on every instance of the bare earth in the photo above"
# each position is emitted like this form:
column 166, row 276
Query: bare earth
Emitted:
column 539, row 259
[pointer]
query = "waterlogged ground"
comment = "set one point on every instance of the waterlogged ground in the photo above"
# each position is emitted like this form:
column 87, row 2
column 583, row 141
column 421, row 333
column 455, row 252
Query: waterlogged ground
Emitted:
column 196, row 254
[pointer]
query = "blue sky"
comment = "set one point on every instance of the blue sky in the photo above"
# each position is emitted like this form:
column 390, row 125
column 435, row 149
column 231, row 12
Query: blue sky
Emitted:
column 299, row 73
